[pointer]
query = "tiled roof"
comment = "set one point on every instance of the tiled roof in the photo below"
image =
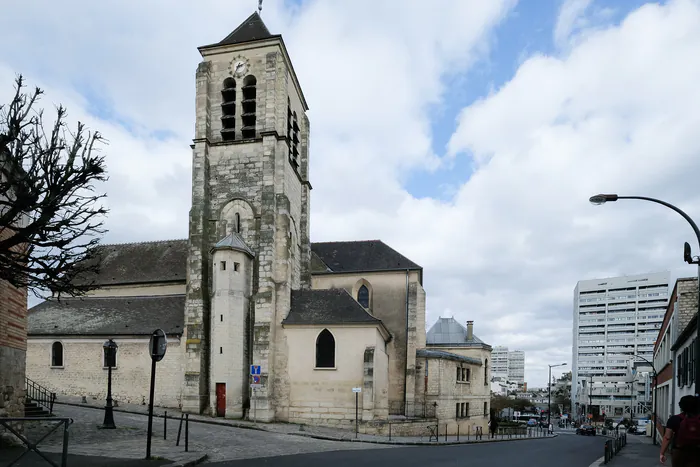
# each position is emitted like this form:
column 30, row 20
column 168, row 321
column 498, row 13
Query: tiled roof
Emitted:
column 448, row 332
column 136, row 263
column 358, row 256
column 107, row 316
column 233, row 241
column 329, row 306
column 251, row 29
column 430, row 353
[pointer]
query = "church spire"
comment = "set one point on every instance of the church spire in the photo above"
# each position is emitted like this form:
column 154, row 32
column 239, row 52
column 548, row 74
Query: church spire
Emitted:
column 251, row 29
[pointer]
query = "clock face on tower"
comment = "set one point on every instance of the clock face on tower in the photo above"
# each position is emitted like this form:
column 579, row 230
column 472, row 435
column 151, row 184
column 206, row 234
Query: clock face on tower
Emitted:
column 239, row 67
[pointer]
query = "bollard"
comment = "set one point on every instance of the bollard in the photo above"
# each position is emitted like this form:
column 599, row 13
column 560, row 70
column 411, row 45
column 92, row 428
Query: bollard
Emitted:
column 389, row 431
column 445, row 432
column 179, row 430
column 458, row 432
column 469, row 430
column 165, row 425
column 187, row 432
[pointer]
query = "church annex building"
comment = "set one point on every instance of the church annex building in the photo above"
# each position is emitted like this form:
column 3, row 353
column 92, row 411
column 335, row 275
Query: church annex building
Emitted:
column 249, row 288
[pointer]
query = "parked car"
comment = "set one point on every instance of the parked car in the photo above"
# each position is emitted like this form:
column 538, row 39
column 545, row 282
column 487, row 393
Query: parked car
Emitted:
column 585, row 430
column 532, row 422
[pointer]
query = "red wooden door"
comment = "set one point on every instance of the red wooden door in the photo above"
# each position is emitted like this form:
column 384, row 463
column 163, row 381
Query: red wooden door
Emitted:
column 220, row 399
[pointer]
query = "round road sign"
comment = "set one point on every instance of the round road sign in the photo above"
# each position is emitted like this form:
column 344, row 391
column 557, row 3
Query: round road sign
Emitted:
column 158, row 345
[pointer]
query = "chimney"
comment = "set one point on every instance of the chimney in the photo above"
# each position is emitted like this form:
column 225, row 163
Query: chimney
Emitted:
column 470, row 330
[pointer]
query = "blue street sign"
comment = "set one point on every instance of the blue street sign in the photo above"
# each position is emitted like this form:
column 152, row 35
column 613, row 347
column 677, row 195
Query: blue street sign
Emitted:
column 254, row 369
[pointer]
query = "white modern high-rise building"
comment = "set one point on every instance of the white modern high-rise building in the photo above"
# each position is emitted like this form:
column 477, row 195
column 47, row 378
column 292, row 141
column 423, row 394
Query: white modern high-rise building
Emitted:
column 616, row 321
column 499, row 363
column 516, row 366
column 507, row 365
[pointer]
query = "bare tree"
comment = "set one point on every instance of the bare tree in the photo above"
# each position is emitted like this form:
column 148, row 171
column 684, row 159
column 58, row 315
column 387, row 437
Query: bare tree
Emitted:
column 51, row 219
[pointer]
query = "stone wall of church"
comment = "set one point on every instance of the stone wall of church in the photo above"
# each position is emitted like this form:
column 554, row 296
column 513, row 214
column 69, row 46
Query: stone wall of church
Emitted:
column 388, row 297
column 83, row 374
column 323, row 396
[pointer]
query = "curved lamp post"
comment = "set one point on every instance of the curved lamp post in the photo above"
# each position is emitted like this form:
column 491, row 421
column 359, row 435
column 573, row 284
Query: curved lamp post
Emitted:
column 549, row 393
column 110, row 352
column 655, row 383
column 603, row 198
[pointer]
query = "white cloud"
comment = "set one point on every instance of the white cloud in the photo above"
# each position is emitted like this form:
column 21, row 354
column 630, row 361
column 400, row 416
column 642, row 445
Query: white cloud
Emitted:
column 571, row 17
column 617, row 111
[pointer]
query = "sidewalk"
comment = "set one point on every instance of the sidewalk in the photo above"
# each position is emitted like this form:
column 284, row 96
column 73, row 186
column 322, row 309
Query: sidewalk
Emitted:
column 639, row 452
column 34, row 460
column 316, row 432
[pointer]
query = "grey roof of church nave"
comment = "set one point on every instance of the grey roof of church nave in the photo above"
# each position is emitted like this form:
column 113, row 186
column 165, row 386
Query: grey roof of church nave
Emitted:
column 251, row 29
column 431, row 353
column 107, row 316
column 138, row 263
column 449, row 332
column 357, row 256
column 325, row 307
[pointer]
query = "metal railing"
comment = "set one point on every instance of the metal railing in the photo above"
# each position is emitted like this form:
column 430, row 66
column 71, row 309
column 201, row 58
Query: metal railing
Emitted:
column 32, row 446
column 613, row 446
column 39, row 394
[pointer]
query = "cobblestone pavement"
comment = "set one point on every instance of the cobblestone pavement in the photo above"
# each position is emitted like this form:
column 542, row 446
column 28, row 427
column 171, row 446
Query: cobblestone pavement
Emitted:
column 218, row 442
column 328, row 433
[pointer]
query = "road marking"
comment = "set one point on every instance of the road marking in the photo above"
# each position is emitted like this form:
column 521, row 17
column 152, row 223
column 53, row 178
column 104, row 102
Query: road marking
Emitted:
column 598, row 462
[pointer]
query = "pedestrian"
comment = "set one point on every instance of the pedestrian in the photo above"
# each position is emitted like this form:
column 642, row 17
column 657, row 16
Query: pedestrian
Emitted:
column 493, row 427
column 683, row 434
column 551, row 428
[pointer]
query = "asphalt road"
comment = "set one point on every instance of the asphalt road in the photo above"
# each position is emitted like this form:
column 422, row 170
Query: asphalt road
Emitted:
column 567, row 450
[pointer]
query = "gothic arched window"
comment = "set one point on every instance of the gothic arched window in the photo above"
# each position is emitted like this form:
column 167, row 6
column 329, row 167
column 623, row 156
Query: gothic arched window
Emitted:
column 228, row 110
column 325, row 350
column 363, row 296
column 248, row 106
column 57, row 354
column 237, row 222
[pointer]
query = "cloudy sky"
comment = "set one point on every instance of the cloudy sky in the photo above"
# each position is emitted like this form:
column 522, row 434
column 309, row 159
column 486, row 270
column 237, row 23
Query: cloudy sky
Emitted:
column 468, row 135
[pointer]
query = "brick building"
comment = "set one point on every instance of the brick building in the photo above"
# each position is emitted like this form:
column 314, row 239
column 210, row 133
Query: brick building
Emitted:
column 671, row 361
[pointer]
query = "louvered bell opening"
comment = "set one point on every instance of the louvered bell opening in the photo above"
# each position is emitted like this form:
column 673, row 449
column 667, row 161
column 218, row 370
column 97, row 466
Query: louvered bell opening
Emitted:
column 228, row 122
column 249, row 91
column 228, row 94
column 248, row 132
column 295, row 138
column 248, row 105
column 295, row 125
column 228, row 134
column 228, row 108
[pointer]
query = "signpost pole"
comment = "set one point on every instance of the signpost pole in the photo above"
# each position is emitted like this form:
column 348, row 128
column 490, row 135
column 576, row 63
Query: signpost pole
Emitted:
column 357, row 399
column 157, row 347
column 255, row 406
column 150, row 408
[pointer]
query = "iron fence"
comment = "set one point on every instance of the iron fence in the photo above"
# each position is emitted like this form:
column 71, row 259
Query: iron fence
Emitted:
column 33, row 445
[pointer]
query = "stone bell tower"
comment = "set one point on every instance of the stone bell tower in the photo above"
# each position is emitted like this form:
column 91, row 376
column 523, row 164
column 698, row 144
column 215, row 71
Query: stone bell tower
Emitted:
column 250, row 189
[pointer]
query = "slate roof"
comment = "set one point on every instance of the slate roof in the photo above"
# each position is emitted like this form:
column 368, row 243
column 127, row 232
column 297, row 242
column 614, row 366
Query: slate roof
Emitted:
column 108, row 316
column 429, row 353
column 328, row 306
column 233, row 241
column 447, row 332
column 251, row 29
column 137, row 263
column 358, row 256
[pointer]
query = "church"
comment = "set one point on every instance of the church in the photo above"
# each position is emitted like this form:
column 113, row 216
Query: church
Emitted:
column 262, row 323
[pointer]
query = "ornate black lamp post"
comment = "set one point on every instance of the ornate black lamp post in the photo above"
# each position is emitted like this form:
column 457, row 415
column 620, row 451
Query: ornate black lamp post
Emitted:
column 110, row 354
column 549, row 394
column 603, row 198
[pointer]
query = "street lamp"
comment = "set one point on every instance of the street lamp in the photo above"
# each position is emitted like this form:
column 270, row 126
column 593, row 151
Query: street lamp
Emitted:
column 110, row 353
column 549, row 394
column 603, row 198
column 654, row 396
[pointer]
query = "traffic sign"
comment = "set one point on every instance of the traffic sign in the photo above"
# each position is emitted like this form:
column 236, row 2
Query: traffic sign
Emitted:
column 256, row 379
column 356, row 389
column 254, row 369
column 158, row 345
column 256, row 386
